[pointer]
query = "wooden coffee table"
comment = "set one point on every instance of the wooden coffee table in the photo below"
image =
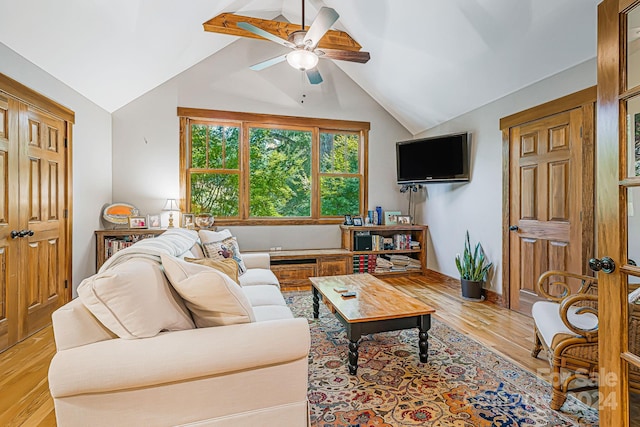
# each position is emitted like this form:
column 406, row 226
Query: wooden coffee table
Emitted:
column 377, row 307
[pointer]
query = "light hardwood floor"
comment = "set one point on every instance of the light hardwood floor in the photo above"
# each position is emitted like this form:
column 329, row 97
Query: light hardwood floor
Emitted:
column 24, row 393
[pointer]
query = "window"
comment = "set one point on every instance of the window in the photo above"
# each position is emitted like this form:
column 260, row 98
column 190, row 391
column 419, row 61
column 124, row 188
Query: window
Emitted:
column 260, row 169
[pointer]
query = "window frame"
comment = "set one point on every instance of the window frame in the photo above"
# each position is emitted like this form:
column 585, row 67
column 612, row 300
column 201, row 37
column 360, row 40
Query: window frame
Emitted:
column 244, row 121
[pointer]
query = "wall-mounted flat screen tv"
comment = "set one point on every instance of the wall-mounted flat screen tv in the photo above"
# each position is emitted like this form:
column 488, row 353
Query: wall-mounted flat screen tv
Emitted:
column 435, row 159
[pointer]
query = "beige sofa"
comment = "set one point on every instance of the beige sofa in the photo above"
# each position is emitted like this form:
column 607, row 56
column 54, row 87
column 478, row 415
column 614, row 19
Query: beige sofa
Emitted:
column 244, row 374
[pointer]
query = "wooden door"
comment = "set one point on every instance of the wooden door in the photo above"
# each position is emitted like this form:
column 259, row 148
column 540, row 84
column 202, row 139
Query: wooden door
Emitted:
column 618, row 190
column 9, row 257
column 546, row 184
column 35, row 186
column 43, row 194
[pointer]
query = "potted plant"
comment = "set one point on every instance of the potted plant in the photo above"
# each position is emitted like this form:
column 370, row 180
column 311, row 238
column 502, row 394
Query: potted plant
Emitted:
column 473, row 268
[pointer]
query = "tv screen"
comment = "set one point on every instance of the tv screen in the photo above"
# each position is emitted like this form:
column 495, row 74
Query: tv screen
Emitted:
column 435, row 159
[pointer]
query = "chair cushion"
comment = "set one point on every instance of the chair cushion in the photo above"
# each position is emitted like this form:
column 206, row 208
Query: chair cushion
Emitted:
column 134, row 300
column 546, row 315
column 259, row 276
column 211, row 296
column 263, row 295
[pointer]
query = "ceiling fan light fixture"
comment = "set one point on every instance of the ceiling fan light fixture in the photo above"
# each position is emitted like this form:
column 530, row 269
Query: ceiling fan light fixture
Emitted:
column 302, row 59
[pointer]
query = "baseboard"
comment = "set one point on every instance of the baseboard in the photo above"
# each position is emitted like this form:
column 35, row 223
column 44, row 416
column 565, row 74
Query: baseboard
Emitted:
column 493, row 297
column 489, row 295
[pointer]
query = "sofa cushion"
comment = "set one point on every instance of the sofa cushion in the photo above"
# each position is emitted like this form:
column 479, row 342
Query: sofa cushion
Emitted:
column 227, row 266
column 196, row 250
column 259, row 276
column 263, row 295
column 134, row 300
column 211, row 296
column 265, row 313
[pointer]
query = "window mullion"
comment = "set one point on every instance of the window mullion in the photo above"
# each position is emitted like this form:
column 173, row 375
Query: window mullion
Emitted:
column 244, row 170
column 315, row 173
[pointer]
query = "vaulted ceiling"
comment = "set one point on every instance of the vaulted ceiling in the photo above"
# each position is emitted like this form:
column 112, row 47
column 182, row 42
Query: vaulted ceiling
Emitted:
column 431, row 60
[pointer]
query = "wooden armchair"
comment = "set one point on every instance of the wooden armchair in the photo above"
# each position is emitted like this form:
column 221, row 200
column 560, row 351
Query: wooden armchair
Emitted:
column 566, row 326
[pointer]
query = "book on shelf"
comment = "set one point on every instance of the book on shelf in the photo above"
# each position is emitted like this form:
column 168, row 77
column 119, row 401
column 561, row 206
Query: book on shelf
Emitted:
column 364, row 263
column 402, row 241
column 115, row 244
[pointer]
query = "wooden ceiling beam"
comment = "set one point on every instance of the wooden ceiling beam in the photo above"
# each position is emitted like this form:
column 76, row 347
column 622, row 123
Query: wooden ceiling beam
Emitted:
column 227, row 23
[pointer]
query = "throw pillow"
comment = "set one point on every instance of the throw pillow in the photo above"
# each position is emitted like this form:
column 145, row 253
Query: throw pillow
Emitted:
column 212, row 297
column 207, row 236
column 134, row 300
column 227, row 266
column 225, row 249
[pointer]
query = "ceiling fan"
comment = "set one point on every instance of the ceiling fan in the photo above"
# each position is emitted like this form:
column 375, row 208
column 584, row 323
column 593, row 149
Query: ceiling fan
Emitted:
column 305, row 52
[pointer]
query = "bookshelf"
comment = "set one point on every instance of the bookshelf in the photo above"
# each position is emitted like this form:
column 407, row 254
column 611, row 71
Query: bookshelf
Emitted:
column 388, row 241
column 108, row 242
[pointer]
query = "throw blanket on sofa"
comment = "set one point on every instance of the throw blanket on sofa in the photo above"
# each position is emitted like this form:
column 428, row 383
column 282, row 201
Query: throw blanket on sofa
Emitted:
column 175, row 242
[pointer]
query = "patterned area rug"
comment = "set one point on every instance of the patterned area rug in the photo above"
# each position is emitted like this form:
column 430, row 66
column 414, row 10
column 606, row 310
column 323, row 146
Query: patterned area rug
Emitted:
column 463, row 384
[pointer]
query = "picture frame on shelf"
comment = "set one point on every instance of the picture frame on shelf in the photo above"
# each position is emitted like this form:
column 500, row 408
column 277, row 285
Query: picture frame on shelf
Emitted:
column 357, row 221
column 188, row 220
column 348, row 220
column 154, row 221
column 138, row 222
column 391, row 217
column 404, row 219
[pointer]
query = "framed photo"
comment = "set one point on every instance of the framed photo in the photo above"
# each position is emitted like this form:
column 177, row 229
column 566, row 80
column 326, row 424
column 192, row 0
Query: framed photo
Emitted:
column 357, row 221
column 391, row 217
column 404, row 219
column 188, row 220
column 153, row 221
column 138, row 222
column 348, row 220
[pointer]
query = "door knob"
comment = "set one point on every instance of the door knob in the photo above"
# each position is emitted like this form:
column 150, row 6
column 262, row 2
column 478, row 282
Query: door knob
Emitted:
column 514, row 228
column 605, row 264
column 15, row 234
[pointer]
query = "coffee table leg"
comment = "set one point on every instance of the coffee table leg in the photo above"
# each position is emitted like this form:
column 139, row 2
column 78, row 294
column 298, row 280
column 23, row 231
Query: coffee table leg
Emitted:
column 316, row 303
column 423, row 337
column 353, row 357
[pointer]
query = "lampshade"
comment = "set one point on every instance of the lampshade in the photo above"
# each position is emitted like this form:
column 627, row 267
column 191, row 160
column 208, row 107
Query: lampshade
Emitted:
column 302, row 59
column 171, row 205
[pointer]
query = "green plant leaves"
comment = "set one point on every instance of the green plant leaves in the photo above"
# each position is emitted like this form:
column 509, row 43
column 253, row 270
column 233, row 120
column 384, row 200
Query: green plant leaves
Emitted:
column 472, row 265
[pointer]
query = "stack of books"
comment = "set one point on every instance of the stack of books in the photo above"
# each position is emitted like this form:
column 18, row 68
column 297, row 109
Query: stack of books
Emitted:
column 387, row 263
column 404, row 263
column 383, row 265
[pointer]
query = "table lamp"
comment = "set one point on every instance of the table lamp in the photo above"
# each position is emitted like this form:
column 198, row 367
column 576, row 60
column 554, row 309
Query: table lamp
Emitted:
column 171, row 206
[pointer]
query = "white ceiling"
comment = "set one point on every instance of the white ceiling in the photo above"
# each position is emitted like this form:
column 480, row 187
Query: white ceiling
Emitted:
column 431, row 60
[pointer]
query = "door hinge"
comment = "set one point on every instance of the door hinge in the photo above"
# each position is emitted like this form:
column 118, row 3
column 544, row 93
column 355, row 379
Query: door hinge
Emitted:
column 580, row 133
column 65, row 213
column 66, row 142
column 66, row 284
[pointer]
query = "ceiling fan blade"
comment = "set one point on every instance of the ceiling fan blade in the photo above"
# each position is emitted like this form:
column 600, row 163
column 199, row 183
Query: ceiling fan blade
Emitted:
column 265, row 34
column 268, row 63
column 344, row 55
column 325, row 19
column 314, row 76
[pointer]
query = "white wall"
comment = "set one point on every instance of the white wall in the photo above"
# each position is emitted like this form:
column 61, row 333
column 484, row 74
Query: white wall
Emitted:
column 451, row 209
column 91, row 155
column 146, row 132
